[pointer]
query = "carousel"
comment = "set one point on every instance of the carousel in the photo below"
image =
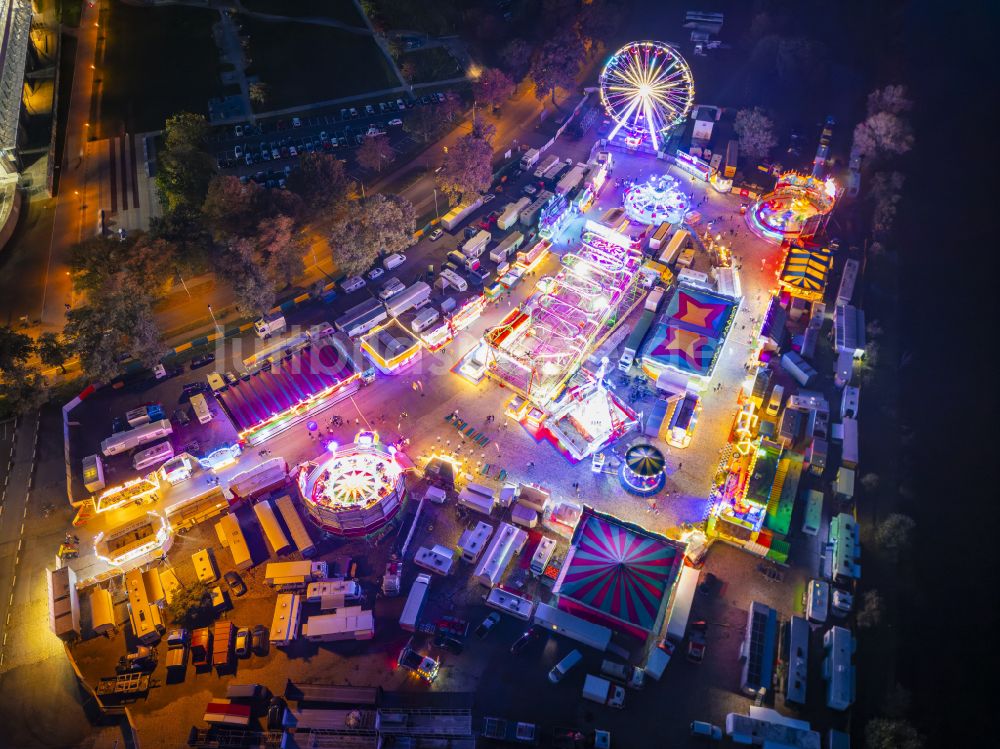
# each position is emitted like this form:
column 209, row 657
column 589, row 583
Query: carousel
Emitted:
column 642, row 472
column 357, row 488
column 658, row 200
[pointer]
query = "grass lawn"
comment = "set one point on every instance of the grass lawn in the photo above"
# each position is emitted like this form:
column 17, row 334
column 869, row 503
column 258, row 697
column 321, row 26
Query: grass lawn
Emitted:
column 159, row 61
column 434, row 17
column 337, row 10
column 302, row 63
column 434, row 64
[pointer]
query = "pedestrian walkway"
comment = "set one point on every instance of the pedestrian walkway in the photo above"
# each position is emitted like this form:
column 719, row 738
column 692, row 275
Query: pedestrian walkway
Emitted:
column 116, row 167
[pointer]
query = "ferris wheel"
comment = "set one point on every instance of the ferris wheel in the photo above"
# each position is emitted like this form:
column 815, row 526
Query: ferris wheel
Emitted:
column 647, row 88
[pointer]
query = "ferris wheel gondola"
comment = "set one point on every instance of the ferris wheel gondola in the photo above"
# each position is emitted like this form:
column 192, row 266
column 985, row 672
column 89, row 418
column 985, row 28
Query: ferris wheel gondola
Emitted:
column 648, row 89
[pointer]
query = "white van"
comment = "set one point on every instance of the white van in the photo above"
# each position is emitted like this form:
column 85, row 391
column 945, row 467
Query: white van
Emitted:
column 394, row 261
column 564, row 666
column 352, row 284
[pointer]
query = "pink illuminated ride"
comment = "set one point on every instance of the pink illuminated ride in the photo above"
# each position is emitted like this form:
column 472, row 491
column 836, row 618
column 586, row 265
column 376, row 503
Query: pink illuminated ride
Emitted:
column 648, row 89
column 797, row 207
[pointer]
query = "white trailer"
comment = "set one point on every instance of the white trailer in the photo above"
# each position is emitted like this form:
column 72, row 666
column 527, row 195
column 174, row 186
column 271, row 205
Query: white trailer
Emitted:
column 475, row 246
column 571, row 179
column 543, row 555
column 285, row 624
column 797, row 367
column 231, row 535
column 563, row 623
column 140, row 435
column 329, row 593
column 347, row 623
column 508, row 245
column 680, row 612
column 293, row 521
column 509, row 216
column 472, row 542
column 273, row 531
column 507, row 542
column 294, row 574
column 847, row 280
column 415, row 602
column 530, row 158
column 410, row 297
column 459, row 213
column 849, row 449
column 474, row 500
column 438, row 559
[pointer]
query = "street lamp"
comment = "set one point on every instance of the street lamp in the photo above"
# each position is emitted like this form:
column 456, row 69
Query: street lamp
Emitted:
column 218, row 328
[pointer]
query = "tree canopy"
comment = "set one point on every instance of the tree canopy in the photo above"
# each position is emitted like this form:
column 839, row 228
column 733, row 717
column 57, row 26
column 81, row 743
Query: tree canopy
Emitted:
column 756, row 133
column 467, row 167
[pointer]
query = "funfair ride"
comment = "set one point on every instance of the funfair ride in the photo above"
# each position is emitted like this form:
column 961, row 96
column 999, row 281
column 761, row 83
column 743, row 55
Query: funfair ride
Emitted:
column 357, row 488
column 539, row 345
column 656, row 200
column 648, row 89
column 797, row 207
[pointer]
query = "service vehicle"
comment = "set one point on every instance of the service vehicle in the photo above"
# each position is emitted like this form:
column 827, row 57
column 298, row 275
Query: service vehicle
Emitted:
column 603, row 692
column 487, row 624
column 421, row 665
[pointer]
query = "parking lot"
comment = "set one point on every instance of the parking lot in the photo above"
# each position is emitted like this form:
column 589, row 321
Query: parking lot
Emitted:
column 269, row 149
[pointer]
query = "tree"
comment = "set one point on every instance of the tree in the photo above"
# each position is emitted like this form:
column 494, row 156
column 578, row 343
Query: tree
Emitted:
column 93, row 261
column 184, row 168
column 494, row 87
column 516, row 57
column 467, row 167
column 186, row 232
column 279, row 250
column 870, row 482
column 381, row 224
column 114, row 325
column 756, row 132
column 556, row 64
column 52, row 350
column 891, row 99
column 232, row 207
column 409, row 71
column 321, row 181
column 422, row 123
column 870, row 614
column 886, row 733
column 894, row 534
column 260, row 92
column 450, row 109
column 882, row 134
column 15, row 349
column 597, row 20
column 190, row 605
column 376, row 152
column 25, row 391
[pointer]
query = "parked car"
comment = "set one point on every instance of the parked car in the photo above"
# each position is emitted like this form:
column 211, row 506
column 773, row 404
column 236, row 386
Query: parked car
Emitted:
column 390, row 288
column 529, row 189
column 375, row 272
column 436, row 234
column 296, row 122
column 393, row 261
column 238, row 131
column 258, row 639
column 202, row 361
column 706, row 730
column 235, row 583
column 487, row 624
column 292, row 151
column 696, row 642
column 276, row 713
column 532, row 634
column 449, row 643
column 488, row 197
column 243, row 642
column 369, row 109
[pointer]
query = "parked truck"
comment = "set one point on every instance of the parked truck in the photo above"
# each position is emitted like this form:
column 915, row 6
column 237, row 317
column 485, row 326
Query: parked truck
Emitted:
column 530, row 158
column 268, row 325
column 509, row 216
column 635, row 339
column 509, row 731
column 201, row 647
column 603, row 692
column 222, row 649
column 550, row 162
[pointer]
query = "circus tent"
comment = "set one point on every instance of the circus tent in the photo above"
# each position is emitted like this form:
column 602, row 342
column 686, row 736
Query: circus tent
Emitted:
column 805, row 271
column 618, row 574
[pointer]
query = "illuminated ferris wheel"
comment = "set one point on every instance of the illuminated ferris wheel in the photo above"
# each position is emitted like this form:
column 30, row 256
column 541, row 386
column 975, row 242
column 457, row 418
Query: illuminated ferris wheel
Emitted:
column 647, row 88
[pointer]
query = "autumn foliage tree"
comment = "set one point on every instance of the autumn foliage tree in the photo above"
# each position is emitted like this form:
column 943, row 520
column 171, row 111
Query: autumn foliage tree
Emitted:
column 756, row 133
column 494, row 87
column 556, row 64
column 381, row 224
column 467, row 167
column 376, row 152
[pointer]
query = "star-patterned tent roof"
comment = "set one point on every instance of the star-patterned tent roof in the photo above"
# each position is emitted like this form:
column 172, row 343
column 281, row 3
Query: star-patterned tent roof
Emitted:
column 689, row 336
column 619, row 571
column 806, row 271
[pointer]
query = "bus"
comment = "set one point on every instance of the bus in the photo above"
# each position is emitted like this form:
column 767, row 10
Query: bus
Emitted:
column 140, row 435
column 659, row 236
column 152, row 456
column 200, row 407
column 814, row 513
column 293, row 521
column 273, row 532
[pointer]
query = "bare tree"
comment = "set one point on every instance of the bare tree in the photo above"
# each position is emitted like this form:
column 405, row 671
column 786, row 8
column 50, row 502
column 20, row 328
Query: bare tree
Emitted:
column 895, row 534
column 885, row 733
column 882, row 134
column 891, row 99
column 870, row 613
